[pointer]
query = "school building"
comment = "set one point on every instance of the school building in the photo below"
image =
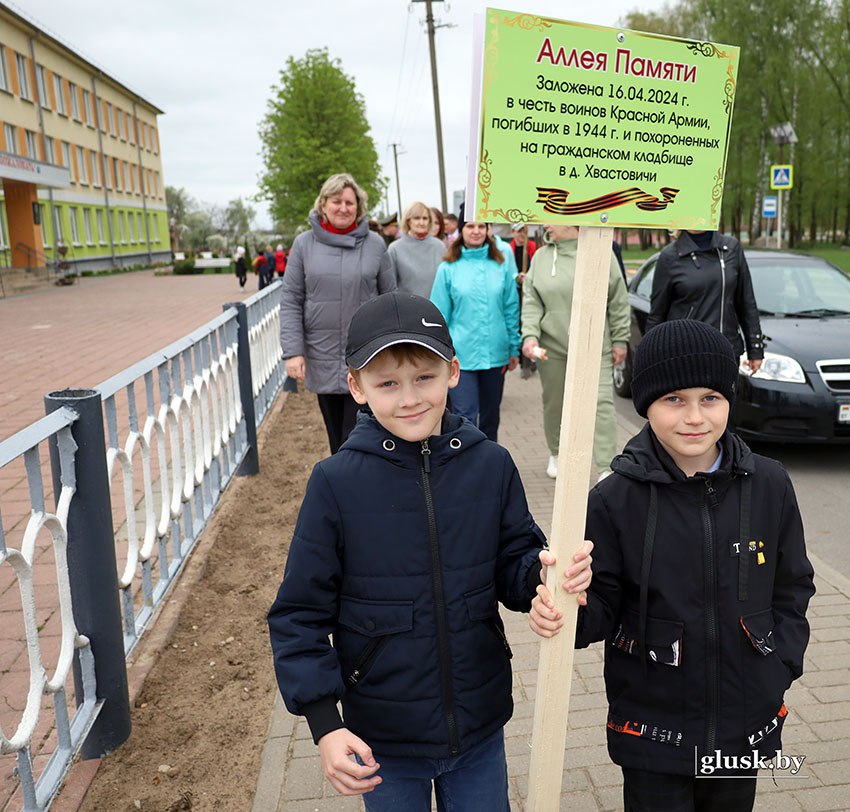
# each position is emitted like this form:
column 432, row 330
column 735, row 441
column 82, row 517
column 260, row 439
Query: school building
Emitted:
column 80, row 162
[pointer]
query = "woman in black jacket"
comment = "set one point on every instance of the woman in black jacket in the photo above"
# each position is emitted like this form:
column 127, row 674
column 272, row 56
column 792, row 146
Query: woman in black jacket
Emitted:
column 703, row 275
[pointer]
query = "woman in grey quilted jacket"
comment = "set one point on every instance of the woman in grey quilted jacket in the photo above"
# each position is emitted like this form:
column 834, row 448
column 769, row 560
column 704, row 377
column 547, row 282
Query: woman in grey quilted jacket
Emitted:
column 332, row 269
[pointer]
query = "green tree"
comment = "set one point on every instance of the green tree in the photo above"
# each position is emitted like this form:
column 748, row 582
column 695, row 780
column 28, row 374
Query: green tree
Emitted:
column 179, row 203
column 238, row 218
column 315, row 127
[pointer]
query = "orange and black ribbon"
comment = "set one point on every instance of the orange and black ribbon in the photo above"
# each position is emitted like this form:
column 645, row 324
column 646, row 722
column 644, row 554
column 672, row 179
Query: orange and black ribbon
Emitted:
column 555, row 200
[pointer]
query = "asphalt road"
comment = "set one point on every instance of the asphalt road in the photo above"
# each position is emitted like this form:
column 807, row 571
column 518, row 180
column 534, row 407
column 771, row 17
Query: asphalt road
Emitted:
column 821, row 477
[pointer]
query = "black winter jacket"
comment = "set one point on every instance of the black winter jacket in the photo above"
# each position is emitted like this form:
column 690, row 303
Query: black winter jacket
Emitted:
column 703, row 613
column 712, row 286
column 402, row 552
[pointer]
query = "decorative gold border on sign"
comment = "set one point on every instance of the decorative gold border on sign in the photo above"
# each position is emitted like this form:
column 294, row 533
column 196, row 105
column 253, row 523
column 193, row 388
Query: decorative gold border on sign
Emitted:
column 717, row 190
column 709, row 49
column 527, row 22
column 485, row 176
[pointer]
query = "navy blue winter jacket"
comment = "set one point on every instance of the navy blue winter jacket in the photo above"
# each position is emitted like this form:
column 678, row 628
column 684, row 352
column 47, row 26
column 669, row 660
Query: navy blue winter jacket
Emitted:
column 402, row 552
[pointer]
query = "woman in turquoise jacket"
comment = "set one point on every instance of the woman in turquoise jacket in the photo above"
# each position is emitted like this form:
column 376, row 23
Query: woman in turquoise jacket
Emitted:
column 476, row 293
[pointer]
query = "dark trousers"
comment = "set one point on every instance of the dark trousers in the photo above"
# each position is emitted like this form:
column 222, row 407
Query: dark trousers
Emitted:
column 655, row 792
column 478, row 398
column 340, row 414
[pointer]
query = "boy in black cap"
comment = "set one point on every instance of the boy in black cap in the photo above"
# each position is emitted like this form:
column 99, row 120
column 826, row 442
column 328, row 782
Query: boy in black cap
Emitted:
column 700, row 586
column 408, row 538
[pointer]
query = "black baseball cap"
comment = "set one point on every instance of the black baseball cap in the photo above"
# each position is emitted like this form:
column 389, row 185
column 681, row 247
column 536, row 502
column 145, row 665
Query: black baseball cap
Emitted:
column 396, row 318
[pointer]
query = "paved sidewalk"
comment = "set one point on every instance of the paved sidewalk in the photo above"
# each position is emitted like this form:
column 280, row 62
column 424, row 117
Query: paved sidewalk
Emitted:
column 76, row 336
column 818, row 727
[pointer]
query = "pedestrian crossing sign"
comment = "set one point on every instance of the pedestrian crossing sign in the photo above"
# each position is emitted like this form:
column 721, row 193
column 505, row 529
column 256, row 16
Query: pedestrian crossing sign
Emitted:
column 782, row 176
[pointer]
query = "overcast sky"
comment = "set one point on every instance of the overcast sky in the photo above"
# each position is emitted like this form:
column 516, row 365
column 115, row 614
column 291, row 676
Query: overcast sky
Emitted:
column 211, row 65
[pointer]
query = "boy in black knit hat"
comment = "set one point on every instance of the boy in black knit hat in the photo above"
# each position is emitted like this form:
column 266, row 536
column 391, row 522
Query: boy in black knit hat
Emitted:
column 700, row 587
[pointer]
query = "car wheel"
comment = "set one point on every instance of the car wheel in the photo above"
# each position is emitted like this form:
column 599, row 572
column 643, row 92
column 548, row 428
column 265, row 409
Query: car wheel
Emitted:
column 622, row 376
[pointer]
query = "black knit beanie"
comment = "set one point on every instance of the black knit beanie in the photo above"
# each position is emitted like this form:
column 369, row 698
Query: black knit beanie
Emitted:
column 682, row 354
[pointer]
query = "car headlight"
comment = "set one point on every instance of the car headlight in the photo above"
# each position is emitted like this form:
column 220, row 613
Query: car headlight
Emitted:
column 776, row 368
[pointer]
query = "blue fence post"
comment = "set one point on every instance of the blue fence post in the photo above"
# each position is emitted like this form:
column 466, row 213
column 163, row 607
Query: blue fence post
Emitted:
column 93, row 570
column 251, row 461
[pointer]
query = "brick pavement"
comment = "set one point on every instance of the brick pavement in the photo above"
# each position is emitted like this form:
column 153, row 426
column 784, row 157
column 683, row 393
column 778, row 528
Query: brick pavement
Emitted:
column 76, row 336
column 818, row 727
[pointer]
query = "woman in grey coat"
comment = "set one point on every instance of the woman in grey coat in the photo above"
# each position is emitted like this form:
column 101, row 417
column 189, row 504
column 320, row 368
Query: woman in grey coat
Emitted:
column 417, row 254
column 332, row 269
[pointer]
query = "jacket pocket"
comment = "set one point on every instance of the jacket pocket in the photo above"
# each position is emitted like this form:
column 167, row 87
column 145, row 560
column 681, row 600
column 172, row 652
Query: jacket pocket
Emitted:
column 482, row 605
column 766, row 677
column 367, row 628
column 663, row 638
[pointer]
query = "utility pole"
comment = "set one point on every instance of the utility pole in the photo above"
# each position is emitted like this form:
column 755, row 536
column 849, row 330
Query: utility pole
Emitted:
column 429, row 19
column 397, row 181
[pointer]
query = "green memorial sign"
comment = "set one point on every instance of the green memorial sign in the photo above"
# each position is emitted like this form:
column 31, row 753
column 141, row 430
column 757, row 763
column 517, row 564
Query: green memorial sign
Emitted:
column 589, row 125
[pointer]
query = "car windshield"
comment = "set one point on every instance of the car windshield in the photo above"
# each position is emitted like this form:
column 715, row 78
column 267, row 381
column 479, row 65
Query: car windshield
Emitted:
column 788, row 286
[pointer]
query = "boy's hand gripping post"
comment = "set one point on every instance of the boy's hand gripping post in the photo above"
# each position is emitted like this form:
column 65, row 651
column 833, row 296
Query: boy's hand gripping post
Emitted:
column 555, row 669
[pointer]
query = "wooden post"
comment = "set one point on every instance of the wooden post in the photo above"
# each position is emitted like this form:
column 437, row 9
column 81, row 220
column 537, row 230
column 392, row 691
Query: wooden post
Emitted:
column 578, row 419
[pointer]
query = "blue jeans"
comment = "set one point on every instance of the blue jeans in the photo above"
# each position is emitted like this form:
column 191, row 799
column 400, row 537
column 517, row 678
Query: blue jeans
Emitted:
column 478, row 398
column 475, row 781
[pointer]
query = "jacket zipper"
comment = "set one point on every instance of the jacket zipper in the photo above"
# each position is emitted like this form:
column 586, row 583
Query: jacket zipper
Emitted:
column 708, row 502
column 440, row 604
column 722, row 285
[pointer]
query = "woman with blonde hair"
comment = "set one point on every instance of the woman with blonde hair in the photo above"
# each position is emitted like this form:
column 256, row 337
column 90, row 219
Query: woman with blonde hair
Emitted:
column 416, row 255
column 333, row 268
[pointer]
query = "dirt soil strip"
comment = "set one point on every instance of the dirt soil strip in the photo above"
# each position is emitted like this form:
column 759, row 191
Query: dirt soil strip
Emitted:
column 200, row 719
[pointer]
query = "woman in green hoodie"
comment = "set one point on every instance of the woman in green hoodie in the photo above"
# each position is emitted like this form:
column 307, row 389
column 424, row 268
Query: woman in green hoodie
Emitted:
column 547, row 297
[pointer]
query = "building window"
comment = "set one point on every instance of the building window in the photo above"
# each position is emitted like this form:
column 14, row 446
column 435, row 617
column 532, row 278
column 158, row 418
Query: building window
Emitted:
column 141, row 226
column 45, row 231
column 75, row 105
column 82, row 165
column 41, row 86
column 95, row 171
column 131, row 129
column 132, row 223
column 154, row 221
column 31, row 144
column 4, row 242
column 87, row 108
column 11, row 133
column 87, row 226
column 118, row 219
column 126, row 174
column 116, row 174
column 4, row 73
column 98, row 216
column 23, row 77
column 66, row 159
column 106, row 179
column 109, row 121
column 154, row 142
column 60, row 95
column 57, row 225
column 143, row 136
column 119, row 119
column 49, row 153
column 75, row 225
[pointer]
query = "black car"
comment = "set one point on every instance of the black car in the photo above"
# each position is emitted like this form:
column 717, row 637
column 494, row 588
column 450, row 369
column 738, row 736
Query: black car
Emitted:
column 802, row 391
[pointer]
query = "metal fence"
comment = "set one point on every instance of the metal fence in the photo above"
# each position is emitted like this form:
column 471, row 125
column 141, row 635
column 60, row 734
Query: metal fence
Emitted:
column 138, row 465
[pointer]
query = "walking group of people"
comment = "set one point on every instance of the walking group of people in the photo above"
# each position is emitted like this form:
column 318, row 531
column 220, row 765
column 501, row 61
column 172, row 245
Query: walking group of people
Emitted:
column 417, row 527
column 266, row 264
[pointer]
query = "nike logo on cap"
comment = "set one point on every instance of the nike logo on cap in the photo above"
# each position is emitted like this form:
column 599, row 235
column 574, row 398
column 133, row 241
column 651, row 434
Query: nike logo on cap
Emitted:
column 430, row 324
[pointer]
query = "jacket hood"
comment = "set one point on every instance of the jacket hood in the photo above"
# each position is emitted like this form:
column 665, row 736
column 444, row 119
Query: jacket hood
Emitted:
column 350, row 240
column 456, row 435
column 645, row 460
